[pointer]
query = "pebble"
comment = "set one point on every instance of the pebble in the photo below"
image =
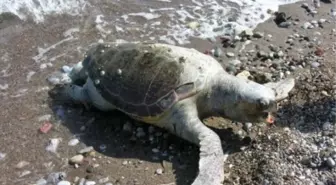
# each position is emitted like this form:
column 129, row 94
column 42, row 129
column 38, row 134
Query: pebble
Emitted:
column 247, row 32
column 41, row 182
column 262, row 54
column 56, row 177
column 159, row 171
column 64, row 183
column 280, row 54
column 103, row 180
column 77, row 159
column 25, row 173
column 125, row 163
column 258, row 35
column 307, row 25
column 285, row 24
column 248, row 125
column 86, row 150
column 90, row 169
column 244, row 74
column 331, row 163
column 315, row 64
column 2, row 156
column 53, row 145
column 218, row 52
column 73, row 142
column 90, row 183
column 22, row 164
column 235, row 62
column 230, row 54
column 46, row 117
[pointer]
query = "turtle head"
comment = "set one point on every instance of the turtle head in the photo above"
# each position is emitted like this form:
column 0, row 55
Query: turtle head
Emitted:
column 246, row 101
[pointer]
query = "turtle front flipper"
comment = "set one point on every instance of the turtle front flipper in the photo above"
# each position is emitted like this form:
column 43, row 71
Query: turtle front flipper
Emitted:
column 185, row 123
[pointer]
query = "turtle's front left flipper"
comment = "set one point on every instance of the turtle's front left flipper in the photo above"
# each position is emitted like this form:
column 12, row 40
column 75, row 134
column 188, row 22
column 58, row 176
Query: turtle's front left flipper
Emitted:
column 186, row 124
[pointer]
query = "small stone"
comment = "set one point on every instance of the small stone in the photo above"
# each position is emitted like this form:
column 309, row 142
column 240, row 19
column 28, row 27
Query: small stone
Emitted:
column 103, row 180
column 25, row 173
column 56, row 177
column 53, row 145
column 230, row 54
column 235, row 62
column 159, row 171
column 321, row 21
column 331, row 163
column 247, row 33
column 244, row 74
column 73, row 142
column 248, row 125
column 218, row 52
column 86, row 150
column 289, row 41
column 2, row 156
column 262, row 54
column 125, row 163
column 64, row 183
column 22, row 164
column 90, row 183
column 305, row 5
column 258, row 35
column 280, row 54
column 315, row 64
column 285, row 24
column 77, row 159
column 307, row 25
column 41, row 182
column 90, row 169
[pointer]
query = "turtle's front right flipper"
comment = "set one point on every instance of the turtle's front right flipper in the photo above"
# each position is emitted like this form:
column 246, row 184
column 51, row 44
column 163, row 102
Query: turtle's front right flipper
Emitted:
column 186, row 124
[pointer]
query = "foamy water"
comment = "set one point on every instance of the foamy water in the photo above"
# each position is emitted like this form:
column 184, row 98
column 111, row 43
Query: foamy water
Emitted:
column 211, row 17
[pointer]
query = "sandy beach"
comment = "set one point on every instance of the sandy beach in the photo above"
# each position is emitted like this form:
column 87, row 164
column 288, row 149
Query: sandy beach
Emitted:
column 299, row 149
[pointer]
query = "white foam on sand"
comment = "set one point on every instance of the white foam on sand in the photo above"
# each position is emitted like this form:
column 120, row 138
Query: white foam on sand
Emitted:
column 212, row 18
column 38, row 9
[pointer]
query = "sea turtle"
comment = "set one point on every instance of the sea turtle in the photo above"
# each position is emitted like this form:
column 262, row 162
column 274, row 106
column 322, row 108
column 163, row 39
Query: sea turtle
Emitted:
column 173, row 88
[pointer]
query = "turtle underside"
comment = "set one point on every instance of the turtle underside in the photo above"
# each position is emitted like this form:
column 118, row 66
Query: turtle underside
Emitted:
column 139, row 79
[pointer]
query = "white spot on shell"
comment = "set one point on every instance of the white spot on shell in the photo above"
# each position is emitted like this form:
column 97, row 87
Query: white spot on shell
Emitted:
column 108, row 45
column 102, row 51
column 145, row 51
column 102, row 73
column 119, row 72
column 97, row 81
